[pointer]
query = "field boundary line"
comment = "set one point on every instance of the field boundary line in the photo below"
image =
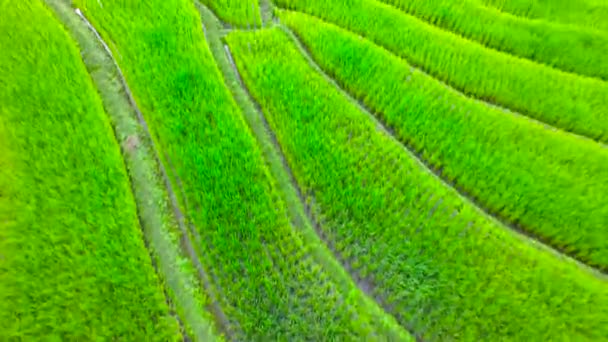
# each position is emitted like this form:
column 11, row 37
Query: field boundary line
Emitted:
column 221, row 320
column 418, row 69
column 61, row 12
column 569, row 25
column 309, row 219
column 517, row 230
column 128, row 158
column 282, row 175
column 474, row 41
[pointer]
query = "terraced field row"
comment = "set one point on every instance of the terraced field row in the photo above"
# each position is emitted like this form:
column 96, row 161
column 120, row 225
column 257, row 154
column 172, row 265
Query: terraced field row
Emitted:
column 572, row 102
column 257, row 263
column 73, row 263
column 402, row 227
column 586, row 13
column 573, row 49
column 522, row 171
column 242, row 13
column 355, row 170
column 160, row 215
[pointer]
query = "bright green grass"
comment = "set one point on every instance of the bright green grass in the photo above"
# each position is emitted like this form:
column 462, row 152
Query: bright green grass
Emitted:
column 284, row 181
column 270, row 286
column 583, row 13
column 242, row 13
column 567, row 48
column 447, row 272
column 73, row 264
column 567, row 101
column 158, row 221
column 516, row 168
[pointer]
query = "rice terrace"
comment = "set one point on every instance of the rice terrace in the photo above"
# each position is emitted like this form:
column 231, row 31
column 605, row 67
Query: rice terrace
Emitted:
column 303, row 170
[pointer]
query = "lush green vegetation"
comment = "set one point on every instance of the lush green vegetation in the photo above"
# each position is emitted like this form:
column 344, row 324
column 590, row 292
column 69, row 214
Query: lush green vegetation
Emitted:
column 269, row 285
column 161, row 225
column 567, row 48
column 73, row 265
column 242, row 13
column 524, row 172
column 285, row 182
column 568, row 101
column 446, row 271
column 328, row 186
column 584, row 13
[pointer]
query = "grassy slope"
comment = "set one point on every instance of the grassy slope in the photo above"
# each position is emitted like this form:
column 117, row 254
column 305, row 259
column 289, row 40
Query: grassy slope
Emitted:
column 272, row 287
column 567, row 48
column 551, row 183
column 447, row 272
column 570, row 102
column 74, row 265
column 242, row 13
column 589, row 13
column 161, row 228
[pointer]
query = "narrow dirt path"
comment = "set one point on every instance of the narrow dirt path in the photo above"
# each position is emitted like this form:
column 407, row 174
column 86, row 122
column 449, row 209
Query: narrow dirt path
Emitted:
column 144, row 141
column 266, row 9
column 129, row 146
column 478, row 41
column 301, row 215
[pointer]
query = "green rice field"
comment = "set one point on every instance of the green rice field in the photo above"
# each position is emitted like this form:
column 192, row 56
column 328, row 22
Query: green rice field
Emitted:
column 303, row 170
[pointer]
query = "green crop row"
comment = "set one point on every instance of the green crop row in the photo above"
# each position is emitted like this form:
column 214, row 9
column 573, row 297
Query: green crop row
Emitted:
column 285, row 183
column 73, row 263
column 445, row 271
column 155, row 203
column 567, row 48
column 242, row 13
column 268, row 285
column 568, row 101
column 518, row 169
column 583, row 13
